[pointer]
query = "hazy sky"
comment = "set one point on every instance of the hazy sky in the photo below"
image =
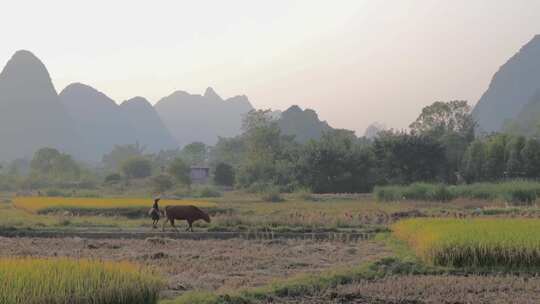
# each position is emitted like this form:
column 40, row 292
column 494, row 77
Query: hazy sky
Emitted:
column 355, row 62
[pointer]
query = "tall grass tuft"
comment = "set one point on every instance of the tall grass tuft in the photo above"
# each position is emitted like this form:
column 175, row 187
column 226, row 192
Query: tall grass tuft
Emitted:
column 514, row 192
column 44, row 280
column 509, row 243
column 416, row 192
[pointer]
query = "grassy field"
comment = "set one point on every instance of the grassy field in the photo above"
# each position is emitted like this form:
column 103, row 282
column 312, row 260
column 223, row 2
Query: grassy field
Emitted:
column 231, row 212
column 38, row 280
column 36, row 204
column 513, row 243
column 236, row 211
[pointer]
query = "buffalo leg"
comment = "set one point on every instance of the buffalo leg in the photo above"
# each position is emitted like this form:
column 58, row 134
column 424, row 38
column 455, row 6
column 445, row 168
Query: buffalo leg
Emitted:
column 165, row 222
column 163, row 225
column 172, row 224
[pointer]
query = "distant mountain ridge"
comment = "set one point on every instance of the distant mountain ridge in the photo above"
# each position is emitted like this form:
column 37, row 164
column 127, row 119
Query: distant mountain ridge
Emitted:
column 97, row 119
column 511, row 88
column 374, row 129
column 304, row 125
column 101, row 123
column 204, row 118
column 86, row 123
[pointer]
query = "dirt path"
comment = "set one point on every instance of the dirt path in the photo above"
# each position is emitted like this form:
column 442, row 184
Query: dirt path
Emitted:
column 495, row 289
column 207, row 264
column 145, row 233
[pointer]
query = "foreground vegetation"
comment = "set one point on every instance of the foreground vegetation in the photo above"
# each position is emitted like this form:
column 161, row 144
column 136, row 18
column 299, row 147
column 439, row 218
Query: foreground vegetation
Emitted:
column 34, row 280
column 305, row 285
column 504, row 243
column 515, row 192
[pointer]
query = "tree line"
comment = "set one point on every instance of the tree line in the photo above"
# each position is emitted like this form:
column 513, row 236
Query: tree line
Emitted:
column 442, row 145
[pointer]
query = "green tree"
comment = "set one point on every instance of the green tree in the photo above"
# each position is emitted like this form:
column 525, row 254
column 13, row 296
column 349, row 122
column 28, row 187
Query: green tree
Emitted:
column 120, row 154
column 113, row 178
column 228, row 150
column 402, row 158
column 451, row 123
column 473, row 162
column 44, row 161
column 336, row 163
column 137, row 167
column 442, row 118
column 530, row 155
column 267, row 152
column 180, row 171
column 514, row 163
column 52, row 164
column 195, row 153
column 224, row 175
column 495, row 157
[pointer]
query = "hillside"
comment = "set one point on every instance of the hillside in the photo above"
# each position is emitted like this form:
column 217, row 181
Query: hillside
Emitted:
column 148, row 129
column 511, row 88
column 98, row 120
column 527, row 121
column 31, row 114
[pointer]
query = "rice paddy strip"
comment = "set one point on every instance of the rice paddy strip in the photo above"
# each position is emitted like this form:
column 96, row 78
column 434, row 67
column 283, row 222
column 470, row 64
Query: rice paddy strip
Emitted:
column 473, row 242
column 35, row 204
column 36, row 280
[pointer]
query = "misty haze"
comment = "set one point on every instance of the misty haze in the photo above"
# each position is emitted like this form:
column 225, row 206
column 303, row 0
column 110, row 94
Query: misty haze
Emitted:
column 270, row 152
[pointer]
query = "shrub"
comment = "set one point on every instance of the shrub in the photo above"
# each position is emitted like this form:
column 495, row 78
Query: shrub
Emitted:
column 162, row 183
column 441, row 193
column 180, row 170
column 259, row 187
column 208, row 192
column 304, row 194
column 387, row 193
column 137, row 167
column 521, row 196
column 417, row 191
column 272, row 194
column 516, row 192
column 56, row 193
column 224, row 175
column 113, row 178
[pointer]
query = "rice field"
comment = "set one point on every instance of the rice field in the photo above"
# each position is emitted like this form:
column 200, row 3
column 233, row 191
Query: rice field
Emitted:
column 38, row 203
column 486, row 242
column 63, row 280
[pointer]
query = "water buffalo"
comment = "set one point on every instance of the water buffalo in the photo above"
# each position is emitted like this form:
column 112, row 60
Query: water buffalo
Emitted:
column 188, row 213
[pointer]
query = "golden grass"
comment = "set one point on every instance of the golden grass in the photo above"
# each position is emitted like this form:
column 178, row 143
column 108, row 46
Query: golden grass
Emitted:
column 34, row 204
column 62, row 280
column 473, row 242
